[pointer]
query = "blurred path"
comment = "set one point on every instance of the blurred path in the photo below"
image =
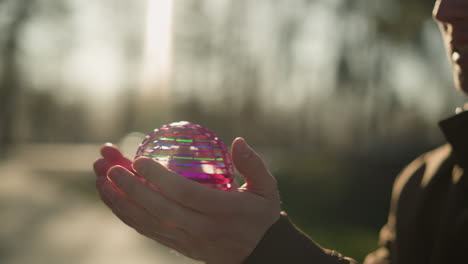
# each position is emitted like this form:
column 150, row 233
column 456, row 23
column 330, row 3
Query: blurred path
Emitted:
column 50, row 213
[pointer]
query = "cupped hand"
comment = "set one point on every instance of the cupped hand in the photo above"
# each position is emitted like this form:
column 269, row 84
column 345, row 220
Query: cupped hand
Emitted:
column 202, row 223
column 111, row 156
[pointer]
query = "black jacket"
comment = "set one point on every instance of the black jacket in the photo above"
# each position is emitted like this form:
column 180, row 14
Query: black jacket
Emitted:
column 427, row 222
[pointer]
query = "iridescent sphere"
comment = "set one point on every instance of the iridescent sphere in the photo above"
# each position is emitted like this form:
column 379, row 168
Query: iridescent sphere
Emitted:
column 192, row 151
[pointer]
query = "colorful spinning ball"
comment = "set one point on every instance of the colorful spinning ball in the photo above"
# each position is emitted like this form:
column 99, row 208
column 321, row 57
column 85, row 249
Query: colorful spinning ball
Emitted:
column 192, row 151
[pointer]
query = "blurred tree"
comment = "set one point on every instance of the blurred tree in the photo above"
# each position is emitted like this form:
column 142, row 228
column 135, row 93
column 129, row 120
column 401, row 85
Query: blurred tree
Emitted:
column 405, row 23
column 54, row 121
column 10, row 82
column 42, row 111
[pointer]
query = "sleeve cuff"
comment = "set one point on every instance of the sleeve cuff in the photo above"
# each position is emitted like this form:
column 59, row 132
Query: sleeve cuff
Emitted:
column 285, row 243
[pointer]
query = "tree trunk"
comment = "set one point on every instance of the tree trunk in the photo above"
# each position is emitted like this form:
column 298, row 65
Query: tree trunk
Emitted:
column 10, row 82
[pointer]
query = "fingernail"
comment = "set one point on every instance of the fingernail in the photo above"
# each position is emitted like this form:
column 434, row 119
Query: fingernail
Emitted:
column 245, row 151
column 116, row 175
column 141, row 164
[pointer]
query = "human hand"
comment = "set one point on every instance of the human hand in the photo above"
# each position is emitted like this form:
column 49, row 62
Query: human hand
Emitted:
column 202, row 223
column 111, row 156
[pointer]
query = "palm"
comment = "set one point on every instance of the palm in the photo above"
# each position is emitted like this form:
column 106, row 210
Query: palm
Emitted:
column 199, row 222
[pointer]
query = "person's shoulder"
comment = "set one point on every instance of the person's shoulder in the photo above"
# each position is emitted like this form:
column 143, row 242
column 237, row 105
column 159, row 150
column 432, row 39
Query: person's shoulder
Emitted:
column 437, row 155
column 423, row 167
column 430, row 159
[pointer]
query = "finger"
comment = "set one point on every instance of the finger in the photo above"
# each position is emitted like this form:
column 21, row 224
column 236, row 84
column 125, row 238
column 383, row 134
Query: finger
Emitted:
column 109, row 194
column 135, row 217
column 252, row 168
column 163, row 237
column 153, row 201
column 114, row 156
column 100, row 167
column 106, row 191
column 184, row 191
column 111, row 152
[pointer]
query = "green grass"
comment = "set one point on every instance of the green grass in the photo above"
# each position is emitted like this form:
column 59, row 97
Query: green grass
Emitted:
column 351, row 241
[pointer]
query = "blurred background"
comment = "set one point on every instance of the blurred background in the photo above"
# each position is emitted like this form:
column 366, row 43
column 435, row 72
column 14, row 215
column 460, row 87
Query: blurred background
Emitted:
column 337, row 95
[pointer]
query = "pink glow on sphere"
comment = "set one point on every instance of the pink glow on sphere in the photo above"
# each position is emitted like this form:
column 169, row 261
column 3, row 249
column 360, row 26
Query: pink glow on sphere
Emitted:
column 192, row 151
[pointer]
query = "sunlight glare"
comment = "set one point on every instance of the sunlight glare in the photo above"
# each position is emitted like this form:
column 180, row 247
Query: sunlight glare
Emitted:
column 158, row 48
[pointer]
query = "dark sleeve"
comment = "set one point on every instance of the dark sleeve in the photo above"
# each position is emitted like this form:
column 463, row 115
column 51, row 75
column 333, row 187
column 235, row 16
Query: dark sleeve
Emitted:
column 385, row 253
column 285, row 243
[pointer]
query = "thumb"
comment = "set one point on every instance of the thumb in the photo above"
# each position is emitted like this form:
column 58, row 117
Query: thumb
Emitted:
column 252, row 168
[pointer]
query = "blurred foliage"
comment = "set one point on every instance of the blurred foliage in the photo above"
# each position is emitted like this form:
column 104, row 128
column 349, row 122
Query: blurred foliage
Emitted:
column 342, row 199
